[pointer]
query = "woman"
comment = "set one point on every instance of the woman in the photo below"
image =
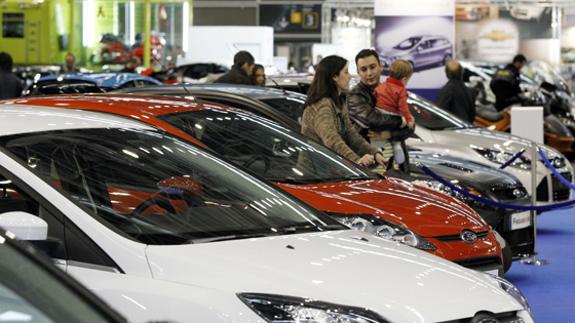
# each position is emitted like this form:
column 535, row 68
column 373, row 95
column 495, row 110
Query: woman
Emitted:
column 258, row 75
column 326, row 118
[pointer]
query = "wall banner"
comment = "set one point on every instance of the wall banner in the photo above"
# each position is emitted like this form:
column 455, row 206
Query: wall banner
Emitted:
column 420, row 32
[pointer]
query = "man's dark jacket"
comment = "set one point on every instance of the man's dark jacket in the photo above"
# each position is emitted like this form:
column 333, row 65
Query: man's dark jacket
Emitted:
column 361, row 105
column 10, row 86
column 505, row 86
column 457, row 98
column 235, row 76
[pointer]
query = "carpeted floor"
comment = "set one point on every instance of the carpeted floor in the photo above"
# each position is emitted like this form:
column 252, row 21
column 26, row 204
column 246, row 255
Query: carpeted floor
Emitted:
column 550, row 289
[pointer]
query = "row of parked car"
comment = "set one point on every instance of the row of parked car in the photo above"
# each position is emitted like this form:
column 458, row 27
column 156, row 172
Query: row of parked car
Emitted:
column 204, row 203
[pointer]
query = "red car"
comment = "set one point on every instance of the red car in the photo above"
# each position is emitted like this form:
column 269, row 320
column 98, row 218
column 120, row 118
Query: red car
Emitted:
column 387, row 207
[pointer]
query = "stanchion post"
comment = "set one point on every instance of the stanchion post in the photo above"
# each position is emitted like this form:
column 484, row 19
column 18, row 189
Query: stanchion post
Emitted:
column 534, row 259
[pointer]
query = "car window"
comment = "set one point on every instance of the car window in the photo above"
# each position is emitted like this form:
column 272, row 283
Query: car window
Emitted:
column 28, row 293
column 429, row 116
column 265, row 147
column 65, row 241
column 291, row 107
column 408, row 43
column 159, row 190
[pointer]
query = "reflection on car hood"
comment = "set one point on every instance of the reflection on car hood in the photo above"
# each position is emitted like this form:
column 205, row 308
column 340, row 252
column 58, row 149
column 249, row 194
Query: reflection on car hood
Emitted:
column 488, row 139
column 465, row 171
column 398, row 282
column 426, row 212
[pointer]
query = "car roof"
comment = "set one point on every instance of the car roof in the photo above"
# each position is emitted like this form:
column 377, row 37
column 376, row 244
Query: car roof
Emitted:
column 123, row 104
column 256, row 92
column 109, row 80
column 19, row 118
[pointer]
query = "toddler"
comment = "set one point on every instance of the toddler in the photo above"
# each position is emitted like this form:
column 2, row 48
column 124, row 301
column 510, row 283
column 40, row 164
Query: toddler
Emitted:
column 391, row 97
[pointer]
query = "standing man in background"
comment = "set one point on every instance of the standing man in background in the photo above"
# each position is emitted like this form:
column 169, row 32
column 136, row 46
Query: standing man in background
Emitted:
column 10, row 85
column 241, row 71
column 455, row 97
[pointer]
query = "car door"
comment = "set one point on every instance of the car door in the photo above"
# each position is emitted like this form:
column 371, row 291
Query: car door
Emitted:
column 421, row 54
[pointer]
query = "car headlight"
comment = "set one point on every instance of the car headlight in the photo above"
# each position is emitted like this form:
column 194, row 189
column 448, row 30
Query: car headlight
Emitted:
column 439, row 187
column 384, row 229
column 513, row 291
column 501, row 157
column 288, row 309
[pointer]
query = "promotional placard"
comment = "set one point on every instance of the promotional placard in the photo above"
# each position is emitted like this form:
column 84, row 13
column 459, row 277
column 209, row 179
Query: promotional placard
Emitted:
column 420, row 32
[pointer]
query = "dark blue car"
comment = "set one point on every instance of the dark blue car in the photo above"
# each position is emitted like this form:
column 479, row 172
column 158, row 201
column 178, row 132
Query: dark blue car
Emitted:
column 87, row 83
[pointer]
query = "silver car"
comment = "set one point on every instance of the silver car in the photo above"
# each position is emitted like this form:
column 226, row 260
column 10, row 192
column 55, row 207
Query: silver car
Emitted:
column 421, row 51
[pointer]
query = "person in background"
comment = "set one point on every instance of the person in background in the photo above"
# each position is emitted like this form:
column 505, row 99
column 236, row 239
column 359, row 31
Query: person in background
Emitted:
column 505, row 83
column 326, row 118
column 259, row 75
column 69, row 64
column 131, row 65
column 391, row 97
column 455, row 97
column 241, row 71
column 10, row 85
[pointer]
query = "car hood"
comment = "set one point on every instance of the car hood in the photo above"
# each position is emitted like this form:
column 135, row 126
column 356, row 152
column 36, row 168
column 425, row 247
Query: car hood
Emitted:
column 343, row 267
column 392, row 52
column 426, row 212
column 468, row 173
column 477, row 137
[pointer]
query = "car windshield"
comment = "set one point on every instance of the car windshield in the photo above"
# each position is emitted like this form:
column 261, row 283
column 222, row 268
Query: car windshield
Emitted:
column 291, row 107
column 429, row 116
column 266, row 148
column 159, row 190
column 408, row 43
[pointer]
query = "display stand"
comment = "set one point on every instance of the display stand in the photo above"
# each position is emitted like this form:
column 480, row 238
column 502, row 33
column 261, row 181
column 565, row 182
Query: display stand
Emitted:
column 523, row 121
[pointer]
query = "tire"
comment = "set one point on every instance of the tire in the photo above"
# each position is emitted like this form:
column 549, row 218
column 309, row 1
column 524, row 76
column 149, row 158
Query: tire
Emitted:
column 507, row 257
column 446, row 59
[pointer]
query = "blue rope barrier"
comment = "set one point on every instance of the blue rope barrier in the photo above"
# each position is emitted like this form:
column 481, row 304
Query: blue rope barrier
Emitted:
column 512, row 159
column 494, row 203
column 554, row 170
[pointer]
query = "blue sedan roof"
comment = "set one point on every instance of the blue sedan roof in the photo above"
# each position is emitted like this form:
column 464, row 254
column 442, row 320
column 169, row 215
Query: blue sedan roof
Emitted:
column 106, row 80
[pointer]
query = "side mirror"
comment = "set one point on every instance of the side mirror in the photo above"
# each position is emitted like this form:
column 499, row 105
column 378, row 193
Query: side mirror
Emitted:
column 24, row 225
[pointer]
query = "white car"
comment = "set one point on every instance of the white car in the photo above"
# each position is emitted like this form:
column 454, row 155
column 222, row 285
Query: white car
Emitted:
column 440, row 132
column 162, row 229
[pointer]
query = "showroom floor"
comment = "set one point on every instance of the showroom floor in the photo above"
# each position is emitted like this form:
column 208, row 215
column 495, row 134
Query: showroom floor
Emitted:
column 550, row 289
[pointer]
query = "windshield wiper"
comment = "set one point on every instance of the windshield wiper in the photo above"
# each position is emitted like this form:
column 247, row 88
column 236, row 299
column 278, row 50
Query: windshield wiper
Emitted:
column 229, row 237
column 350, row 178
column 294, row 181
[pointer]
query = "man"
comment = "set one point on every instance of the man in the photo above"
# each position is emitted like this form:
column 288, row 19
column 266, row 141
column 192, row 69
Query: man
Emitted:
column 361, row 104
column 69, row 64
column 11, row 86
column 361, row 101
column 241, row 71
column 505, row 83
column 454, row 96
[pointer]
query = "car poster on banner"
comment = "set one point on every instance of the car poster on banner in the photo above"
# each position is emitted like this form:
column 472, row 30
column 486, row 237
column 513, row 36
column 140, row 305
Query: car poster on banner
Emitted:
column 418, row 31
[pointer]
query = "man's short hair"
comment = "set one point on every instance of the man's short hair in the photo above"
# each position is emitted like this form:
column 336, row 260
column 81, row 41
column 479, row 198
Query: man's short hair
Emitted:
column 519, row 58
column 243, row 57
column 453, row 70
column 6, row 62
column 400, row 69
column 366, row 53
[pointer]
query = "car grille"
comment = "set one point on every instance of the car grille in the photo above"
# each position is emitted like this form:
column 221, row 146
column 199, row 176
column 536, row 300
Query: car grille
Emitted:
column 508, row 192
column 457, row 237
column 561, row 192
column 507, row 317
column 521, row 241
